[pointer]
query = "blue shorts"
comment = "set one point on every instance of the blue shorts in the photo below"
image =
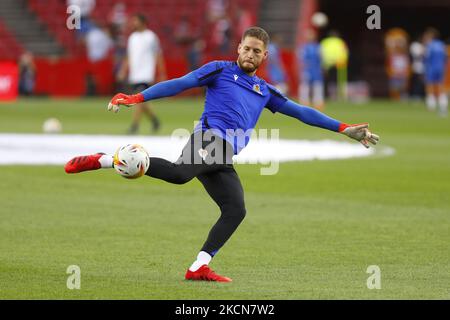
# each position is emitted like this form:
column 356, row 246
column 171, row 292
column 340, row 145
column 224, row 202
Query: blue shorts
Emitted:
column 434, row 76
column 139, row 87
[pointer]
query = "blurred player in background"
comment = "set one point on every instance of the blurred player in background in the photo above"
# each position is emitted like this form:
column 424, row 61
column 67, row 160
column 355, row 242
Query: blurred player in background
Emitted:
column 118, row 16
column 275, row 68
column 335, row 60
column 27, row 74
column 417, row 87
column 99, row 45
column 235, row 98
column 310, row 62
column 144, row 56
column 435, row 64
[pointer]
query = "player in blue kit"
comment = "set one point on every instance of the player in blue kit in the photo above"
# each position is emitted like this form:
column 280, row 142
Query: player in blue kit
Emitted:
column 435, row 62
column 310, row 60
column 235, row 98
column 275, row 68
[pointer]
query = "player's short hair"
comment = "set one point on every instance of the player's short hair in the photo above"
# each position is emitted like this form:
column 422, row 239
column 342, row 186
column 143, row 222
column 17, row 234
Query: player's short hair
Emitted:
column 258, row 33
column 433, row 32
column 141, row 17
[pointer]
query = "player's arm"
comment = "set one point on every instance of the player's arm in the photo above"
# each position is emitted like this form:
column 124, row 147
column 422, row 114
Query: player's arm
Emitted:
column 160, row 90
column 202, row 76
column 313, row 117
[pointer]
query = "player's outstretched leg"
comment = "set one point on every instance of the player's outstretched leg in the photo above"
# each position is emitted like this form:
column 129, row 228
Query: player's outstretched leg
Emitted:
column 226, row 190
column 89, row 162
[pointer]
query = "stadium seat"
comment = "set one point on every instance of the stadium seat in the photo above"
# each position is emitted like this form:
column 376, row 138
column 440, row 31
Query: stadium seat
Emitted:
column 10, row 49
column 161, row 13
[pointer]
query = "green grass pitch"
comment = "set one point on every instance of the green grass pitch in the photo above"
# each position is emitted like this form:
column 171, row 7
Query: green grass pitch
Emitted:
column 311, row 230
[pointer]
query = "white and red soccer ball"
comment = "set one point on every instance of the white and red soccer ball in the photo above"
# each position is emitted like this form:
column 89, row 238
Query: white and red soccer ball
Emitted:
column 131, row 161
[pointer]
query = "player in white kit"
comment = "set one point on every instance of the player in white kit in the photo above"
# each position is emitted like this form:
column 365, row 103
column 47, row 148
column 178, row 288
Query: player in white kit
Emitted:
column 144, row 61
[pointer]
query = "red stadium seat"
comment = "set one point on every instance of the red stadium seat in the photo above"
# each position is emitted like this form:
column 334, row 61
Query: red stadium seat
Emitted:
column 162, row 14
column 10, row 49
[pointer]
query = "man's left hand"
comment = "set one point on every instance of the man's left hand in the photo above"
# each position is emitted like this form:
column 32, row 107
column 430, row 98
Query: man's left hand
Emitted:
column 360, row 132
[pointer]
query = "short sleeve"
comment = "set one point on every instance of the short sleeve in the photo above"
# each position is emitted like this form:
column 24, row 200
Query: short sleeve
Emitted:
column 208, row 72
column 276, row 100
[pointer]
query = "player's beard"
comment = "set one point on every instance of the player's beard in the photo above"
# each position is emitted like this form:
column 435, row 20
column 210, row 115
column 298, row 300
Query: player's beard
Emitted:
column 248, row 67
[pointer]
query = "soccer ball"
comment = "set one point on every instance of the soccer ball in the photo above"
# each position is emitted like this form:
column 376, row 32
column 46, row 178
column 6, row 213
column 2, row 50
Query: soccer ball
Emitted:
column 52, row 125
column 131, row 161
column 319, row 20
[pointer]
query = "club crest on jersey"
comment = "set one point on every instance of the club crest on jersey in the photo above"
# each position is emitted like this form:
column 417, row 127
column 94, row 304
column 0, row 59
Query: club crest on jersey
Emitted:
column 257, row 88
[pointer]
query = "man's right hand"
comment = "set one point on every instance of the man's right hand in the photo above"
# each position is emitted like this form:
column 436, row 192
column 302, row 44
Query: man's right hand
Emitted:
column 122, row 99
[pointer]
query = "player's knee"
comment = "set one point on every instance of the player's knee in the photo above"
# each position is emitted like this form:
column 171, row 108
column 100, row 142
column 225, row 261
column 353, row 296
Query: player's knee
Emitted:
column 235, row 211
column 241, row 212
column 180, row 177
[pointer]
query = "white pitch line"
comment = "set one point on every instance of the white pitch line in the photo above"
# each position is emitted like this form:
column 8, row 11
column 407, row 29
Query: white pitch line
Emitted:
column 48, row 149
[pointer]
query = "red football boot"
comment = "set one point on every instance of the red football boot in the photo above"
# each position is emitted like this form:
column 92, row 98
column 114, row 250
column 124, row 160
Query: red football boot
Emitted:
column 83, row 163
column 204, row 273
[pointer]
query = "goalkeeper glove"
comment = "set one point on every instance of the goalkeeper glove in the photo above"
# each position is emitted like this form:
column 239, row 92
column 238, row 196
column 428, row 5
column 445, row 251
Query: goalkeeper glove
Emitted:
column 359, row 132
column 124, row 100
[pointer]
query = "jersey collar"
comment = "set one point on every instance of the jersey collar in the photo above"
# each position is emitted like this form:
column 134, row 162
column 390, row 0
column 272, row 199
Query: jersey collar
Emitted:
column 241, row 72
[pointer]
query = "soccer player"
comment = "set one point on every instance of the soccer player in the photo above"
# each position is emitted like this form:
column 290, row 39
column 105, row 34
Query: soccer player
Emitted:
column 310, row 59
column 335, row 55
column 275, row 67
column 435, row 63
column 144, row 55
column 235, row 98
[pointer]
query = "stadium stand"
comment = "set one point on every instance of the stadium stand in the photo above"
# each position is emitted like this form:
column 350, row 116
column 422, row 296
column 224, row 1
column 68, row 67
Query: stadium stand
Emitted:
column 40, row 27
column 52, row 13
column 24, row 26
column 163, row 17
column 10, row 49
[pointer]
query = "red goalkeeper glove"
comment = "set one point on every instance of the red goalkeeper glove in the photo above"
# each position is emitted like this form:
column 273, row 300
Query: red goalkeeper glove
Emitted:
column 359, row 132
column 122, row 99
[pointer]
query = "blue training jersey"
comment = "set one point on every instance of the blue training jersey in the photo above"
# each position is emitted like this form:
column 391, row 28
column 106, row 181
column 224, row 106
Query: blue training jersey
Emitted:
column 435, row 55
column 275, row 65
column 234, row 101
column 311, row 58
